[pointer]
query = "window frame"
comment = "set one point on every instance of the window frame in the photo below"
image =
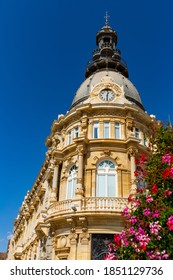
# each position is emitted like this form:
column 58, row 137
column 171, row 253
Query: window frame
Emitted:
column 96, row 129
column 117, row 125
column 106, row 172
column 106, row 125
column 72, row 178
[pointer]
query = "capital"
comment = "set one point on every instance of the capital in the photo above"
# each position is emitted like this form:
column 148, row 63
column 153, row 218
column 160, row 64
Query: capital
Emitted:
column 132, row 151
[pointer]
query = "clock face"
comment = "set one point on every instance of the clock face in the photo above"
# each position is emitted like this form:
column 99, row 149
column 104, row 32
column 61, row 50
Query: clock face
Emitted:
column 107, row 95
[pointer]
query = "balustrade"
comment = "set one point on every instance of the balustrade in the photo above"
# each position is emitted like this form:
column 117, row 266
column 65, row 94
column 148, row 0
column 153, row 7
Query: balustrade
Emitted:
column 88, row 204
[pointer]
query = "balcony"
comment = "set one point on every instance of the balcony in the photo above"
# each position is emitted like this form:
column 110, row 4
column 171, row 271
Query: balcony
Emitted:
column 18, row 252
column 87, row 205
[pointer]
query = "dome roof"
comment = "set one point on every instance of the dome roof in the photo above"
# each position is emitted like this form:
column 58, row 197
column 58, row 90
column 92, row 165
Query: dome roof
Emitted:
column 87, row 86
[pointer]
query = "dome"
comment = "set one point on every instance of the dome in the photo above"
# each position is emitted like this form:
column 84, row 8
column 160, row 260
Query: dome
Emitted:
column 87, row 86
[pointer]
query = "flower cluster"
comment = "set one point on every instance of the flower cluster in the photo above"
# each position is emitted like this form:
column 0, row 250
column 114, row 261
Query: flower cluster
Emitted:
column 157, row 255
column 149, row 213
column 170, row 222
column 154, row 227
column 168, row 172
column 167, row 159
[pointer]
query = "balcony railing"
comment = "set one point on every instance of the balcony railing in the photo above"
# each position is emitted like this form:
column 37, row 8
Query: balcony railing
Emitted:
column 88, row 204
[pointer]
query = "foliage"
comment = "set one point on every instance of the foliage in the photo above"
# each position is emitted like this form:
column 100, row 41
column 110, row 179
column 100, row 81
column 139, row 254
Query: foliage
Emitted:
column 148, row 232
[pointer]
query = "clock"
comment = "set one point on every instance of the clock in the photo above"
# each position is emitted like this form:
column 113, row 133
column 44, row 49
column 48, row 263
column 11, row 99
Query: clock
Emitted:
column 107, row 95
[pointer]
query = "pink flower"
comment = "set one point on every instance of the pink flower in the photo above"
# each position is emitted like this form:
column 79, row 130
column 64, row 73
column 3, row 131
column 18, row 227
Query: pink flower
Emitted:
column 155, row 214
column 146, row 212
column 170, row 222
column 137, row 203
column 154, row 228
column 131, row 230
column 167, row 192
column 133, row 219
column 149, row 198
column 110, row 256
column 126, row 213
column 167, row 159
column 157, row 255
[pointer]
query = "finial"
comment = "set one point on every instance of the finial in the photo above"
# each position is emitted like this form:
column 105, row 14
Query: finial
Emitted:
column 107, row 17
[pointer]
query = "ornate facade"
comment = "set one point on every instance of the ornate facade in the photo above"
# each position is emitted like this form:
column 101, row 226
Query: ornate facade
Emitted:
column 75, row 204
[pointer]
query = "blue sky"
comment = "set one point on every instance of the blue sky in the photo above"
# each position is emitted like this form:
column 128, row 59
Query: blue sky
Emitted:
column 44, row 49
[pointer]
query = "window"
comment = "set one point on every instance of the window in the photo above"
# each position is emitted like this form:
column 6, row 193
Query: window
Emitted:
column 137, row 133
column 71, row 182
column 106, row 130
column 117, row 130
column 70, row 137
column 96, row 130
column 106, row 40
column 76, row 132
column 100, row 245
column 145, row 140
column 106, row 179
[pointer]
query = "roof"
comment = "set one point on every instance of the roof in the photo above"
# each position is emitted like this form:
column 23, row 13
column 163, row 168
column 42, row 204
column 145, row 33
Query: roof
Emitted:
column 87, row 86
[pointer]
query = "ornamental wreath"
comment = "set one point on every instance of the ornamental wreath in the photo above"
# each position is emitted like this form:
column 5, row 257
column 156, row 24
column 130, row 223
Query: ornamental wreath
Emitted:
column 148, row 232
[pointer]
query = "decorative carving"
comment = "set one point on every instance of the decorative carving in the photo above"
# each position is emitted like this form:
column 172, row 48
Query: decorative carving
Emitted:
column 95, row 159
column 107, row 83
column 106, row 153
column 62, row 241
column 132, row 151
column 80, row 150
column 84, row 236
column 73, row 236
column 79, row 180
column 79, row 191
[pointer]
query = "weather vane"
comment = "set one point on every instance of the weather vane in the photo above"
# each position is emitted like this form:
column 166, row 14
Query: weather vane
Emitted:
column 107, row 17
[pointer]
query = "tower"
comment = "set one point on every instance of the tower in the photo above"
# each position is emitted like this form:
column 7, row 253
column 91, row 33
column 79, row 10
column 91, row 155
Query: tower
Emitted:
column 74, row 207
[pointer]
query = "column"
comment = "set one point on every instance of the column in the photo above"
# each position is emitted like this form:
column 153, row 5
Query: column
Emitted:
column 90, row 129
column 123, row 133
column 55, row 182
column 132, row 153
column 79, row 190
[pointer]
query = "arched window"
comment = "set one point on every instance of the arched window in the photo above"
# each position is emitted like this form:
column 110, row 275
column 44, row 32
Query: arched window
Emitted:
column 71, row 182
column 106, row 179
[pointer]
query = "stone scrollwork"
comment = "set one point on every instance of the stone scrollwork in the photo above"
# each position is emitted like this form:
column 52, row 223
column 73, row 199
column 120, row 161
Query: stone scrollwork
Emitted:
column 107, row 83
column 106, row 153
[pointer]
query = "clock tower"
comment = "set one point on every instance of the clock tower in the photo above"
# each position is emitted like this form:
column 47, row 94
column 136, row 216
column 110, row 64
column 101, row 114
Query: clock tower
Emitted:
column 74, row 207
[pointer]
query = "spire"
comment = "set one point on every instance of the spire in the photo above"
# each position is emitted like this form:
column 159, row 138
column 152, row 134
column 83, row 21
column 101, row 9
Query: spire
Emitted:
column 107, row 18
column 106, row 56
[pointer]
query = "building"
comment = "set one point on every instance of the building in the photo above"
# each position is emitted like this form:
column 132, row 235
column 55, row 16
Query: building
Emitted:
column 3, row 255
column 75, row 204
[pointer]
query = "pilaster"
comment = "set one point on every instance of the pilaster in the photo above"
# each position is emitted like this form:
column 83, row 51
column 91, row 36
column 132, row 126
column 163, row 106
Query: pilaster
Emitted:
column 132, row 153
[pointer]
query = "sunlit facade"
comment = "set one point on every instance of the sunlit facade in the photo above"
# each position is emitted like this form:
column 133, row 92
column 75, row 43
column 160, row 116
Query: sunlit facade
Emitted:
column 74, row 207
